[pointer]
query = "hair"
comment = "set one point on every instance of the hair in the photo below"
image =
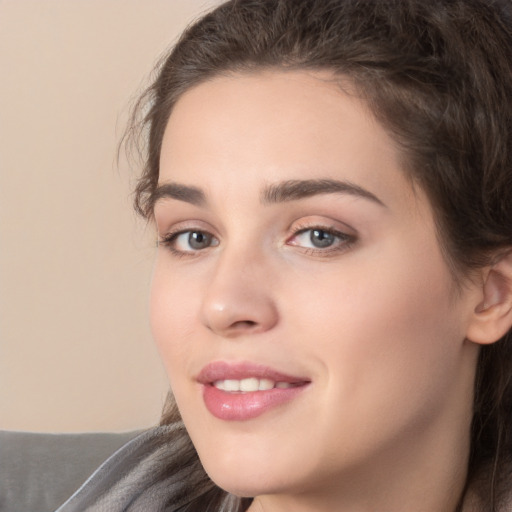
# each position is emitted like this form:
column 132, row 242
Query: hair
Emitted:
column 437, row 75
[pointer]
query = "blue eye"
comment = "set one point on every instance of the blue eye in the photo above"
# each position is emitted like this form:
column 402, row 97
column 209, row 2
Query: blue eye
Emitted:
column 189, row 241
column 320, row 238
column 197, row 240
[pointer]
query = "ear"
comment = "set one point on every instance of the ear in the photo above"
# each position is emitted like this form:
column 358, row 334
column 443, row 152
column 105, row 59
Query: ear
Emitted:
column 492, row 317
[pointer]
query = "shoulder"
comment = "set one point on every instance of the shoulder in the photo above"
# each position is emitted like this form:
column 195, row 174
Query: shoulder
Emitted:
column 142, row 475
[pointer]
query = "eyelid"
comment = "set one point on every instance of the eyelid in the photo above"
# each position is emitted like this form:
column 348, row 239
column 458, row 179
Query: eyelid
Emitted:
column 346, row 236
column 170, row 235
column 170, row 242
column 324, row 223
column 166, row 229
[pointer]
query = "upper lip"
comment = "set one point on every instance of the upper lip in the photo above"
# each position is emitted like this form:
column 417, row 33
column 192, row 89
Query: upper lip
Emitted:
column 222, row 370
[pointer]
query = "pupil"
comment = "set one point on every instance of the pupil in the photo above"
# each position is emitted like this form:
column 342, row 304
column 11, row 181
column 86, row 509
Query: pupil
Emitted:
column 321, row 238
column 198, row 240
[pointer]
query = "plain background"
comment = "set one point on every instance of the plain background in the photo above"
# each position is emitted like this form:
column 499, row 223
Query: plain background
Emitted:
column 75, row 263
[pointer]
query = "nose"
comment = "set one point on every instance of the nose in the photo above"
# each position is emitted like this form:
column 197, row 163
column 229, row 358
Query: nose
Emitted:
column 239, row 298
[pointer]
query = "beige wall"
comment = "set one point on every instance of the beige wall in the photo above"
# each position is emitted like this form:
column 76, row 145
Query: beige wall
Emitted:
column 75, row 348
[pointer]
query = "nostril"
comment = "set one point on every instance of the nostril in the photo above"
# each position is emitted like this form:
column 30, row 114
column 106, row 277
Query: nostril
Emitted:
column 233, row 311
column 244, row 324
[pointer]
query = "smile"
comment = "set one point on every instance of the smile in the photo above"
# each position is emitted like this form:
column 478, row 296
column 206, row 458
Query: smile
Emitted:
column 250, row 385
column 240, row 392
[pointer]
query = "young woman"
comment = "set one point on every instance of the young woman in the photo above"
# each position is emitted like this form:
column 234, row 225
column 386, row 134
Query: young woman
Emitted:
column 331, row 183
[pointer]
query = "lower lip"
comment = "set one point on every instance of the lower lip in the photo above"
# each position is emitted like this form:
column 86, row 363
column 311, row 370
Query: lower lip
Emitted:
column 245, row 406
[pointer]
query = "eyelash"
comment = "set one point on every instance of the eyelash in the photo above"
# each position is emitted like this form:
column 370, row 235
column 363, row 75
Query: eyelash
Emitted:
column 169, row 241
column 344, row 241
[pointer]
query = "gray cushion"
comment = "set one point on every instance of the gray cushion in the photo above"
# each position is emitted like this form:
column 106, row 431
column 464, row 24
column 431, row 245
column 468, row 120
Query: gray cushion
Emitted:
column 38, row 472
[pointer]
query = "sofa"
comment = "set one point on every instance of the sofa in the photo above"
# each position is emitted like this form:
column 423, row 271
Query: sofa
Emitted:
column 39, row 471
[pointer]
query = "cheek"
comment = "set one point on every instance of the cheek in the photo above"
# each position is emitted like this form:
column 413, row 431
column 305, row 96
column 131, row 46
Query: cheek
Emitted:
column 396, row 291
column 378, row 320
column 172, row 317
column 386, row 346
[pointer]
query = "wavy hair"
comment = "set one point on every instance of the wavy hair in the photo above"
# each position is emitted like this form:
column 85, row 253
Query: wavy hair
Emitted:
column 437, row 74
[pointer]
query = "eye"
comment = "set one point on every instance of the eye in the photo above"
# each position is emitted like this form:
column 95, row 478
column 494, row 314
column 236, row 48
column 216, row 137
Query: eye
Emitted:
column 318, row 239
column 186, row 242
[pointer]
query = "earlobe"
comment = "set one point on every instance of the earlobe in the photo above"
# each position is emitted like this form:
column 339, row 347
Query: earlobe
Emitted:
column 492, row 317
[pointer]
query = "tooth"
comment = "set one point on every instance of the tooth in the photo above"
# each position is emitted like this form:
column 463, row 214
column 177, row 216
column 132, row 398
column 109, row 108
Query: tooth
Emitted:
column 231, row 385
column 266, row 384
column 250, row 384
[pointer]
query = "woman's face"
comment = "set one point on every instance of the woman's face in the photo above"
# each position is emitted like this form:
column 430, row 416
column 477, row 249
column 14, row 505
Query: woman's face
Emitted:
column 309, row 324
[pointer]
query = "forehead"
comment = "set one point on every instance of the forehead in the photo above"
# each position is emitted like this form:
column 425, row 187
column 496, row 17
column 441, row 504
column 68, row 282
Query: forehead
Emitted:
column 253, row 128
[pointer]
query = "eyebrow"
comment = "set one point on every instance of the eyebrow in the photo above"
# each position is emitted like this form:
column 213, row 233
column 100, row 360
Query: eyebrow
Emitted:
column 290, row 190
column 186, row 193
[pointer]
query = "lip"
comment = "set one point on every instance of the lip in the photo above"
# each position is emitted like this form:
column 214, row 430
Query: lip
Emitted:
column 242, row 406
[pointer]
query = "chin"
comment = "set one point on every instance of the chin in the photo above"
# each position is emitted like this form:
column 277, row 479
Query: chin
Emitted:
column 252, row 474
column 245, row 485
column 240, row 477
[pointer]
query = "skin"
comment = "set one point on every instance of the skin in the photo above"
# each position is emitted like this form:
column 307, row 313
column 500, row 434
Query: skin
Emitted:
column 374, row 321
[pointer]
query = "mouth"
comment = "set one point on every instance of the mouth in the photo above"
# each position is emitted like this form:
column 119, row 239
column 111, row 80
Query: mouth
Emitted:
column 251, row 385
column 240, row 392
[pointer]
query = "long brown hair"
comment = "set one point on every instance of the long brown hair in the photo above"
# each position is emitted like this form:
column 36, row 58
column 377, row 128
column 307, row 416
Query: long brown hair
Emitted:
column 437, row 74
